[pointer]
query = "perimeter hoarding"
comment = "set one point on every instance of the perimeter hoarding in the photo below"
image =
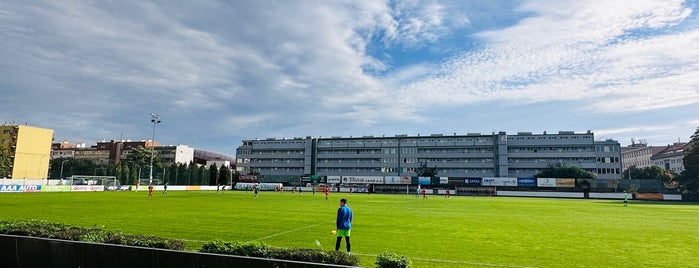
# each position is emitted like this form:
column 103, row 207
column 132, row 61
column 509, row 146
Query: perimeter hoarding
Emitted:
column 424, row 180
column 362, row 179
column 526, row 182
column 499, row 181
column 565, row 183
column 334, row 179
column 19, row 188
column 546, row 182
column 396, row 180
column 473, row 181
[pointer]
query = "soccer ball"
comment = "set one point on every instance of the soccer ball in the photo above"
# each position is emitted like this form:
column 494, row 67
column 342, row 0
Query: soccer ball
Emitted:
column 333, row 232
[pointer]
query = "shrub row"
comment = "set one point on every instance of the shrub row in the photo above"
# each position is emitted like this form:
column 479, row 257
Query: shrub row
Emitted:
column 44, row 229
column 257, row 249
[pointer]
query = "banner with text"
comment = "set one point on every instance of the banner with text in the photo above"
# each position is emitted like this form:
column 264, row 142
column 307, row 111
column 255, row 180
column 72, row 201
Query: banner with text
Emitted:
column 334, row 179
column 396, row 180
column 499, row 181
column 87, row 188
column 443, row 180
column 546, row 182
column 526, row 182
column 19, row 188
column 55, row 188
column 473, row 181
column 362, row 179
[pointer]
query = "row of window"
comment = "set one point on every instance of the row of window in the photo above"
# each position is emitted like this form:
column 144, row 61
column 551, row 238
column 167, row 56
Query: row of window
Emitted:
column 608, row 171
column 552, row 160
column 549, row 149
column 549, row 137
column 607, row 159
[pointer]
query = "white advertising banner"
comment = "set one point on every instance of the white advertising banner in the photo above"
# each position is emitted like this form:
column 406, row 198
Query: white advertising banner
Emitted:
column 499, row 181
column 362, row 179
column 546, row 182
column 334, row 179
column 443, row 180
column 87, row 188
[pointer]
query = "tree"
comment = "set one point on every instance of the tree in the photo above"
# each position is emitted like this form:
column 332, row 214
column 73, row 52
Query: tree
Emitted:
column 140, row 157
column 5, row 162
column 202, row 175
column 688, row 180
column 648, row 173
column 224, row 175
column 565, row 171
column 424, row 171
column 213, row 175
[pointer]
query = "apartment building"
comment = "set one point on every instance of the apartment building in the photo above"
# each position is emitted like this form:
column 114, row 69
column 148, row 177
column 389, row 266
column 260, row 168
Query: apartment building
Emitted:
column 470, row 155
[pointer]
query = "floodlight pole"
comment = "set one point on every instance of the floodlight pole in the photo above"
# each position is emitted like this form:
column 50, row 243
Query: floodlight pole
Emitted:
column 155, row 119
column 64, row 161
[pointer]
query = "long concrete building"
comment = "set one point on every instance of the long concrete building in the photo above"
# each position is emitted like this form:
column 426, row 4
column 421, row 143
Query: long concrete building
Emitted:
column 470, row 155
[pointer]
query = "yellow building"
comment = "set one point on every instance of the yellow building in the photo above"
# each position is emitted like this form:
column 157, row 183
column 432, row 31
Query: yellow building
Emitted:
column 30, row 150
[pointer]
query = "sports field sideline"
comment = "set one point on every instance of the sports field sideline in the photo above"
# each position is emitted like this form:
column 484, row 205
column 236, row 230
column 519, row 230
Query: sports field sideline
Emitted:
column 437, row 232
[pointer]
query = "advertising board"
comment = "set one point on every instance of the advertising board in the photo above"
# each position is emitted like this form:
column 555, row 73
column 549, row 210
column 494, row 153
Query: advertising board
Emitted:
column 423, row 180
column 55, row 188
column 396, row 180
column 546, row 182
column 334, row 179
column 526, row 182
column 473, row 181
column 443, row 180
column 87, row 188
column 362, row 179
column 565, row 183
column 499, row 181
column 20, row 188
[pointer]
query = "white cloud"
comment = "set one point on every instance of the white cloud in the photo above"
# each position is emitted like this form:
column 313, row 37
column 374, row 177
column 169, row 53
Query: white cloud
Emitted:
column 577, row 51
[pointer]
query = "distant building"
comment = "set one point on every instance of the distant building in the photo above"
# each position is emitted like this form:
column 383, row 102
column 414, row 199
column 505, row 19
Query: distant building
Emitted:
column 203, row 156
column 30, row 150
column 115, row 151
column 638, row 155
column 671, row 157
column 470, row 155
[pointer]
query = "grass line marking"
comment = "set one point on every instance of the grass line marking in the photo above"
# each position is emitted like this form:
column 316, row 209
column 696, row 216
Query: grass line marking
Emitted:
column 452, row 261
column 290, row 231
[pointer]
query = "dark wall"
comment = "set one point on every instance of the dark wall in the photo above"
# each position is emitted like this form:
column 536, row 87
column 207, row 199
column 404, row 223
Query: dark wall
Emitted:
column 30, row 252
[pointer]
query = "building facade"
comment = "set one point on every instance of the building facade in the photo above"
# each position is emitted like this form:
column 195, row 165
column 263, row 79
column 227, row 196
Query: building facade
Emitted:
column 671, row 157
column 115, row 151
column 470, row 155
column 30, row 151
column 639, row 155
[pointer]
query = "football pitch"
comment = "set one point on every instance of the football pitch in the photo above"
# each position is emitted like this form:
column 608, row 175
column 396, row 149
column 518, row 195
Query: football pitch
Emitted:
column 437, row 232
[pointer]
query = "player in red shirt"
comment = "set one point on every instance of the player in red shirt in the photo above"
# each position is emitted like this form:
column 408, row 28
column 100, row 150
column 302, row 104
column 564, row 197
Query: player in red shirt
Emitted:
column 424, row 193
column 150, row 190
column 327, row 191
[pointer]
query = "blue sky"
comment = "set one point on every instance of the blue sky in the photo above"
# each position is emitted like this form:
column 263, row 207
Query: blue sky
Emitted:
column 218, row 72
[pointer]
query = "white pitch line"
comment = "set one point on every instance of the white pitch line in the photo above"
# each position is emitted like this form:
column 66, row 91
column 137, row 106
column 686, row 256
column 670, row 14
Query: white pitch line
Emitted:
column 451, row 261
column 290, row 231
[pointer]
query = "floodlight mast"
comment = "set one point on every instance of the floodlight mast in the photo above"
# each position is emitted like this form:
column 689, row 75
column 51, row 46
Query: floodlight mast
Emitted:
column 155, row 119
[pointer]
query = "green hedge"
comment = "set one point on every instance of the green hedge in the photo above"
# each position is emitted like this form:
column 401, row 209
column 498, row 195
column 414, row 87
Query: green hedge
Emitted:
column 36, row 228
column 257, row 249
column 392, row 260
column 44, row 229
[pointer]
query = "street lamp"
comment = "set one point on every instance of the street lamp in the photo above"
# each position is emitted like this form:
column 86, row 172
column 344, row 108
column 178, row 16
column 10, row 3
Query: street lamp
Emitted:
column 64, row 161
column 155, row 119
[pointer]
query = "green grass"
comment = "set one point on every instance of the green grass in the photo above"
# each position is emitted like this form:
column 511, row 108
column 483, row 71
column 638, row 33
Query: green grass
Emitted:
column 438, row 232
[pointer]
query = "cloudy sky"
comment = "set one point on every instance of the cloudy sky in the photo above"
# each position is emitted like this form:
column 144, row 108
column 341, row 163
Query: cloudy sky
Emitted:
column 218, row 72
